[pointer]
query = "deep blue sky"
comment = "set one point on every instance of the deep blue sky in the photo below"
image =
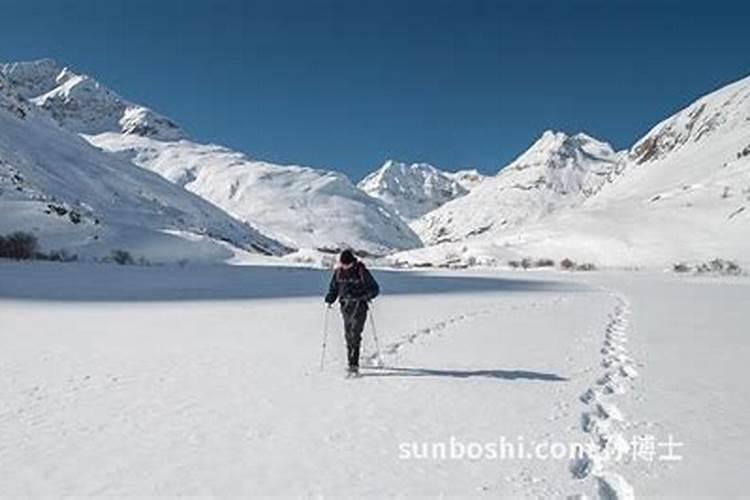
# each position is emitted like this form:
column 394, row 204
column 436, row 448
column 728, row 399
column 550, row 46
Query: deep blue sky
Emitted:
column 346, row 84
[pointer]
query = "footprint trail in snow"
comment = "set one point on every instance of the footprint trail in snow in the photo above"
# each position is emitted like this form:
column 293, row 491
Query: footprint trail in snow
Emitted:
column 602, row 419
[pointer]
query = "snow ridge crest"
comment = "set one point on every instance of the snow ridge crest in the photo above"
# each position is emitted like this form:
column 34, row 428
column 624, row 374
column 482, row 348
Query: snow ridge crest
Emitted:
column 82, row 104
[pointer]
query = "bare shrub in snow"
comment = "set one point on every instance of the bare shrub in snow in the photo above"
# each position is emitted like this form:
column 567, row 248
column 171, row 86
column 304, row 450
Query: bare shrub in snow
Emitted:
column 567, row 264
column 586, row 266
column 25, row 246
column 19, row 246
column 544, row 263
column 122, row 257
column 454, row 263
column 681, row 267
column 529, row 263
column 719, row 266
column 571, row 265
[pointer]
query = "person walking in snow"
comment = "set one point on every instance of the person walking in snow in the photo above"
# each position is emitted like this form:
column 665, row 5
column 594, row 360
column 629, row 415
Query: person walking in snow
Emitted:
column 355, row 287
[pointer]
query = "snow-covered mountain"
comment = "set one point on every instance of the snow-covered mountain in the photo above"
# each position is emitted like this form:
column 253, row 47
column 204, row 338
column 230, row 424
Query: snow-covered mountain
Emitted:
column 75, row 197
column 681, row 193
column 81, row 104
column 413, row 190
column 557, row 171
column 301, row 206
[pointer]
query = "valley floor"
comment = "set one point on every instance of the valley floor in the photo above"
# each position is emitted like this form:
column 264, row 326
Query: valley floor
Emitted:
column 206, row 380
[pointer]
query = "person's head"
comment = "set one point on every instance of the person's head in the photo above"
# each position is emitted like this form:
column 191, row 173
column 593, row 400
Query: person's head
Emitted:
column 347, row 258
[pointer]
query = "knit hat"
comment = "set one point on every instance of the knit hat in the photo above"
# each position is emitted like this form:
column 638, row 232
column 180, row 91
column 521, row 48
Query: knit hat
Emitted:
column 347, row 257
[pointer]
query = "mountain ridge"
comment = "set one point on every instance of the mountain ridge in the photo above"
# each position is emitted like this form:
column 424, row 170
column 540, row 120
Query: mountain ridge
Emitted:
column 557, row 171
column 81, row 104
column 681, row 193
column 411, row 190
column 73, row 196
column 301, row 206
column 568, row 194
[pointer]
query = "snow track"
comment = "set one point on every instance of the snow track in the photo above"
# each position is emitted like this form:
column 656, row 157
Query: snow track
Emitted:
column 602, row 420
column 392, row 349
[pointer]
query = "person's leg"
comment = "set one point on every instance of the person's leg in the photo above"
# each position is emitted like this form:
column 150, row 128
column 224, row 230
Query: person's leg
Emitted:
column 349, row 313
column 358, row 325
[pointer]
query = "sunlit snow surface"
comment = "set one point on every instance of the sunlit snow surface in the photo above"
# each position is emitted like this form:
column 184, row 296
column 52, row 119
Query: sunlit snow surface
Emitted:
column 206, row 380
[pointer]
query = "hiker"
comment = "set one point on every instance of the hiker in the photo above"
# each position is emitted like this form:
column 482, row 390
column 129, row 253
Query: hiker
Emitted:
column 355, row 287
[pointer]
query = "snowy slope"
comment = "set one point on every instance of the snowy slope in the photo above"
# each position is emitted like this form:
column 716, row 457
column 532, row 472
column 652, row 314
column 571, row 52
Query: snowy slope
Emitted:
column 78, row 198
column 10, row 101
column 556, row 172
column 682, row 193
column 468, row 179
column 413, row 190
column 81, row 104
column 301, row 206
column 701, row 147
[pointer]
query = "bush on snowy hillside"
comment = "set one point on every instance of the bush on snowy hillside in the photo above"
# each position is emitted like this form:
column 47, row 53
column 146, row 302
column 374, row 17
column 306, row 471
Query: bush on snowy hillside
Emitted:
column 122, row 257
column 19, row 246
column 529, row 263
column 567, row 264
column 716, row 266
column 570, row 265
column 681, row 267
column 586, row 266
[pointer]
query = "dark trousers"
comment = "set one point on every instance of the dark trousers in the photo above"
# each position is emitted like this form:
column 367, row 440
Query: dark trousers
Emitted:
column 354, row 313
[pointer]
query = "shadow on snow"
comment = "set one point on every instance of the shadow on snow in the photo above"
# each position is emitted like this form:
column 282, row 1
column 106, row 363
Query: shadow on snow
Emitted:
column 393, row 371
column 110, row 283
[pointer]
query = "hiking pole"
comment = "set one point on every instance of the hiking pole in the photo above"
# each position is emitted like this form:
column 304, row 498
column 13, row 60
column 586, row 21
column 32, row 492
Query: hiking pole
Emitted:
column 379, row 361
column 325, row 339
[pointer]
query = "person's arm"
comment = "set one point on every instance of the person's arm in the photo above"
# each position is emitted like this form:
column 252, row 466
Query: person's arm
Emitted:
column 373, row 289
column 333, row 290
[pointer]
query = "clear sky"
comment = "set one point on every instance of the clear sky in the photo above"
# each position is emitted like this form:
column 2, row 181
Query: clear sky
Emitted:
column 346, row 84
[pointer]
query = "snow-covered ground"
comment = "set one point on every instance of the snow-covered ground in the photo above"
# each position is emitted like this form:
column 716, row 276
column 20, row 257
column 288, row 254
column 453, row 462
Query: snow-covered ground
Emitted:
column 206, row 380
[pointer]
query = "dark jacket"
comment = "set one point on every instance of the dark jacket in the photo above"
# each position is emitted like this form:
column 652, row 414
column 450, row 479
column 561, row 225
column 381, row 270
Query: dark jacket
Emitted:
column 353, row 284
